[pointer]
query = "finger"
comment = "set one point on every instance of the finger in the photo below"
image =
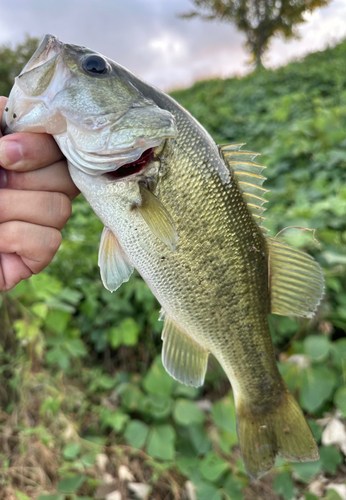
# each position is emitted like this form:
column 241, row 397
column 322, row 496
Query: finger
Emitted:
column 37, row 245
column 55, row 177
column 3, row 102
column 28, row 151
column 12, row 271
column 37, row 207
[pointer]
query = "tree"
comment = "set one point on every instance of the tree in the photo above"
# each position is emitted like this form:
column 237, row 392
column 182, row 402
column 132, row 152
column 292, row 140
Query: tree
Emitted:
column 12, row 61
column 260, row 20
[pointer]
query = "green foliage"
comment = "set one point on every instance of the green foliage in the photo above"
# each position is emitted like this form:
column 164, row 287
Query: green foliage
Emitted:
column 283, row 485
column 80, row 368
column 70, row 484
column 12, row 61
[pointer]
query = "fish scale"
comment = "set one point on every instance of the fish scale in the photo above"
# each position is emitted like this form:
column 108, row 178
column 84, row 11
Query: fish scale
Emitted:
column 187, row 215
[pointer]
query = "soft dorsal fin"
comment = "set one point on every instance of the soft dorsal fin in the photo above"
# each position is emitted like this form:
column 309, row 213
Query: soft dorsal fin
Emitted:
column 295, row 279
column 114, row 265
column 183, row 358
column 249, row 178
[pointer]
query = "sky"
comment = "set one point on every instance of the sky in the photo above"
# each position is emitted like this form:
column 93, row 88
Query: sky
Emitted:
column 148, row 38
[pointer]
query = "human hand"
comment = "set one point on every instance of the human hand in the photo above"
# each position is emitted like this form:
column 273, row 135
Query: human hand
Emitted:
column 35, row 203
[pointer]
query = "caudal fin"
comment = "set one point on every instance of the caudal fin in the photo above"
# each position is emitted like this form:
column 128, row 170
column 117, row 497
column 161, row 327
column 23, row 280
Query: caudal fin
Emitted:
column 281, row 431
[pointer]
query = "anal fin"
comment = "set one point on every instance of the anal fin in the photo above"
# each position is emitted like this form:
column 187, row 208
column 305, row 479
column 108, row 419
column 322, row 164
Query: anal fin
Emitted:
column 296, row 280
column 183, row 358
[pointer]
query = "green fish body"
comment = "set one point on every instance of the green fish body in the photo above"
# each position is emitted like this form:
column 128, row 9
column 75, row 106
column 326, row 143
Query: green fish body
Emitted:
column 187, row 215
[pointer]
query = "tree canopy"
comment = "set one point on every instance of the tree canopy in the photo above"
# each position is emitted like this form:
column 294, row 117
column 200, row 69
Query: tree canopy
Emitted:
column 12, row 61
column 260, row 20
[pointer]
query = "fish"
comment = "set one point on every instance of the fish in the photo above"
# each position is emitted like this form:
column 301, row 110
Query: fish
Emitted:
column 188, row 215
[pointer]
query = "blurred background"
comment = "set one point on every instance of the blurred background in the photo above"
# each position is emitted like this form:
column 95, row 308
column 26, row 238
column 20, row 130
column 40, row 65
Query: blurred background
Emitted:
column 148, row 37
column 86, row 408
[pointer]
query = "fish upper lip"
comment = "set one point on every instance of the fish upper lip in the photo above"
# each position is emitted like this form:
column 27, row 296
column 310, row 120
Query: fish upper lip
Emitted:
column 48, row 48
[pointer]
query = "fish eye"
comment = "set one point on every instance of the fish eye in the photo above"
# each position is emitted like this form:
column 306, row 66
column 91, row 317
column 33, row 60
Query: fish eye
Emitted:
column 95, row 64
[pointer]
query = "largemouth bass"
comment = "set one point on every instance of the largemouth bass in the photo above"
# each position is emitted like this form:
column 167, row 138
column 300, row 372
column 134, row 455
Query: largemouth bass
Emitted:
column 188, row 216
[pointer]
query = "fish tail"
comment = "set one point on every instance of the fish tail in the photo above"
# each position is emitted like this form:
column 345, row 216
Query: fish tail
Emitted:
column 281, row 430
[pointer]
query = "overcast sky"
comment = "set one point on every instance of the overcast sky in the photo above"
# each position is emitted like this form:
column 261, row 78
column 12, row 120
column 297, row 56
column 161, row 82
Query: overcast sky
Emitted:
column 147, row 37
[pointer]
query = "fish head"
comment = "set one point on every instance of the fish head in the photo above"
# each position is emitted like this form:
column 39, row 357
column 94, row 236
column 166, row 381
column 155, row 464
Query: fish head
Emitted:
column 99, row 118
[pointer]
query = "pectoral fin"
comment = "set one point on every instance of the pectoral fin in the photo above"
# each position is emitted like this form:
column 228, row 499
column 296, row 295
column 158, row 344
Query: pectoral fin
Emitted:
column 113, row 262
column 183, row 358
column 157, row 218
column 296, row 280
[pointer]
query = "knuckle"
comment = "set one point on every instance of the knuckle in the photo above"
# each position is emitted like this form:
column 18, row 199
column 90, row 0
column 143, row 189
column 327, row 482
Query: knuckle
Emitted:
column 65, row 209
column 5, row 205
column 53, row 241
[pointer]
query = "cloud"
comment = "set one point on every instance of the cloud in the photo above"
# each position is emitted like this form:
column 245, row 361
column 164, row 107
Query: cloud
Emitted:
column 148, row 38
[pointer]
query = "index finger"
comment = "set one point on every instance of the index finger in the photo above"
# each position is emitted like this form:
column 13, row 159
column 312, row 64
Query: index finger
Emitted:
column 27, row 151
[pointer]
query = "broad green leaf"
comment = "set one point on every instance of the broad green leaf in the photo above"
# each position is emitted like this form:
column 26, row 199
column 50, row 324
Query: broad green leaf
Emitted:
column 70, row 484
column 317, row 347
column 132, row 397
column 40, row 309
column 315, row 429
column 339, row 353
column 157, row 380
column 199, row 439
column 186, row 391
column 56, row 496
column 186, row 464
column 233, row 488
column 161, row 441
column 317, row 386
column 213, row 466
column 72, row 296
column 207, row 491
column 75, row 347
column 227, row 440
column 340, row 400
column 71, row 451
column 136, row 433
column 307, row 470
column 332, row 495
column 186, row 412
column 115, row 419
column 58, row 356
column 283, row 485
column 158, row 407
column 125, row 333
column 330, row 458
column 96, row 440
column 310, row 496
column 88, row 460
column 223, row 414
column 57, row 320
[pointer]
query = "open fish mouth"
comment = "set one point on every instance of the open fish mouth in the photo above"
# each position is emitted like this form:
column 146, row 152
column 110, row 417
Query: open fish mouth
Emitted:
column 116, row 165
column 134, row 167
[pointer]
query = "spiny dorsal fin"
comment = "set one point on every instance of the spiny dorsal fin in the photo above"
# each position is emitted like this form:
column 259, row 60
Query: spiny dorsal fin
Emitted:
column 183, row 358
column 296, row 280
column 249, row 178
